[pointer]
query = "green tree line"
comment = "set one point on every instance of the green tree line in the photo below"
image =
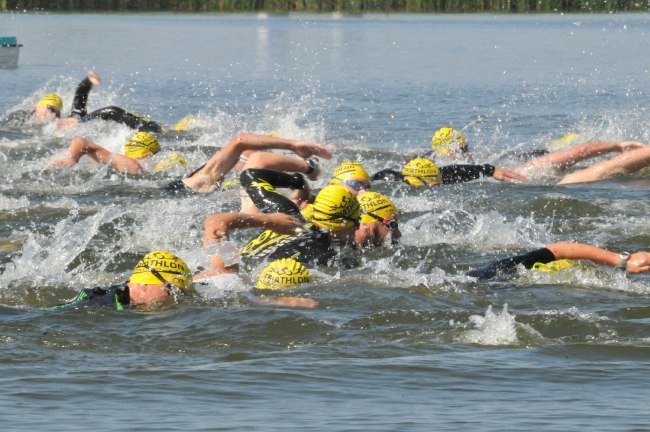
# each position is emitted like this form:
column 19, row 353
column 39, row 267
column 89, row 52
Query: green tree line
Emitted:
column 351, row 6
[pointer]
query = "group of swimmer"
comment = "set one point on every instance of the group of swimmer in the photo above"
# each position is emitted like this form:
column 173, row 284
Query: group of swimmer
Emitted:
column 302, row 229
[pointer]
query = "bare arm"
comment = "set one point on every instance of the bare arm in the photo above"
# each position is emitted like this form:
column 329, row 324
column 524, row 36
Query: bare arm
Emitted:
column 83, row 146
column 625, row 163
column 218, row 226
column 225, row 159
column 639, row 262
column 563, row 159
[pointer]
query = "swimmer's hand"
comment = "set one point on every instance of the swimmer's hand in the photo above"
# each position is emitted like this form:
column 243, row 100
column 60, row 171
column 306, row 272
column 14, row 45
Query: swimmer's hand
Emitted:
column 503, row 174
column 94, row 78
column 283, row 223
column 629, row 145
column 67, row 123
column 309, row 149
column 639, row 262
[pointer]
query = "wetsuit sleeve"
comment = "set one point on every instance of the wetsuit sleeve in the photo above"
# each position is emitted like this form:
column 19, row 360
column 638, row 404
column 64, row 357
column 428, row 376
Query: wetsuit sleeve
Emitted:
column 81, row 98
column 463, row 173
column 388, row 175
column 508, row 265
column 120, row 115
column 261, row 184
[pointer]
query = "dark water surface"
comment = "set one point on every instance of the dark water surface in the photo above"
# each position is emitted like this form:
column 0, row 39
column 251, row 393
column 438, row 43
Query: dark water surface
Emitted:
column 406, row 342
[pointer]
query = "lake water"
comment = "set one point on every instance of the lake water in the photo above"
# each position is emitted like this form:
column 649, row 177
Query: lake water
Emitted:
column 406, row 342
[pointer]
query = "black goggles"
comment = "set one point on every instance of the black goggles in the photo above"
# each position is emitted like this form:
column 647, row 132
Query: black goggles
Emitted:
column 391, row 224
column 357, row 221
column 55, row 110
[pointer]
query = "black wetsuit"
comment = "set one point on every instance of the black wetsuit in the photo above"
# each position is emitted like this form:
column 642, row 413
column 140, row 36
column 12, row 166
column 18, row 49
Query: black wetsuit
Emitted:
column 311, row 246
column 114, row 296
column 113, row 113
column 450, row 174
column 508, row 266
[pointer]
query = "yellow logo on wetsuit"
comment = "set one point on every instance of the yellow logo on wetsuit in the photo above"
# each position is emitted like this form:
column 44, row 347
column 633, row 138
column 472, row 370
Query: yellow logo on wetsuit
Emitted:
column 264, row 185
column 262, row 243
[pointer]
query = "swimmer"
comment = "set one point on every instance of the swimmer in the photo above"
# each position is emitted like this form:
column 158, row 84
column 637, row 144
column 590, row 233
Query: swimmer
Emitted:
column 332, row 221
column 638, row 262
column 378, row 220
column 450, row 144
column 137, row 149
column 633, row 157
column 422, row 172
column 46, row 110
column 158, row 279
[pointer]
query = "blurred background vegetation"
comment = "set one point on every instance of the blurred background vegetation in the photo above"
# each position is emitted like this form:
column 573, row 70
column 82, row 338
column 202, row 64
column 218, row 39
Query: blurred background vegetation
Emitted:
column 345, row 6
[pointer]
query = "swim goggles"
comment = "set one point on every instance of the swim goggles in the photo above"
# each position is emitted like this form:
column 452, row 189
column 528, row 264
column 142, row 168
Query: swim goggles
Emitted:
column 357, row 185
column 54, row 109
column 391, row 224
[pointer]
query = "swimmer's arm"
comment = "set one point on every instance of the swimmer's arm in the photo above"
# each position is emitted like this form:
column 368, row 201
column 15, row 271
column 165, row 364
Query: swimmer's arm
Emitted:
column 226, row 158
column 563, row 159
column 216, row 227
column 81, row 94
column 639, row 262
column 463, row 173
column 288, row 301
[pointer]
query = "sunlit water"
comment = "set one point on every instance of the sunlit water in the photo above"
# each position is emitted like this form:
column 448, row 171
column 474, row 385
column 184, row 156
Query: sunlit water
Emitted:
column 406, row 342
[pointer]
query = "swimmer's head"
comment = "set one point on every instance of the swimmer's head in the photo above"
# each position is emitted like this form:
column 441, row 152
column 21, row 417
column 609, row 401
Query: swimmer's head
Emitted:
column 187, row 122
column 171, row 162
column 352, row 176
column 422, row 172
column 335, row 208
column 283, row 273
column 553, row 266
column 378, row 220
column 564, row 141
column 447, row 140
column 375, row 206
column 162, row 267
column 53, row 102
column 141, row 144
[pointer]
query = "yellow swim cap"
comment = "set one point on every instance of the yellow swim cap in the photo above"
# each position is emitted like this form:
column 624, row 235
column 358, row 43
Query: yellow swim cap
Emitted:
column 376, row 204
column 335, row 208
column 448, row 139
column 141, row 144
column 422, row 172
column 185, row 123
column 308, row 211
column 348, row 171
column 283, row 273
column 51, row 99
column 169, row 266
column 170, row 162
column 553, row 266
column 564, row 141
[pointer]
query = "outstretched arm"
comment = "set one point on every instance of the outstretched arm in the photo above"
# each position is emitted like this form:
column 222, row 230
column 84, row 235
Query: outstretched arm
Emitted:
column 225, row 159
column 563, row 159
column 217, row 226
column 625, row 163
column 82, row 146
column 638, row 262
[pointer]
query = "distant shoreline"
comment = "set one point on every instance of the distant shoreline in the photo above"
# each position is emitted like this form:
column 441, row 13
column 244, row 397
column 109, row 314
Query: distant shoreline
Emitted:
column 353, row 7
